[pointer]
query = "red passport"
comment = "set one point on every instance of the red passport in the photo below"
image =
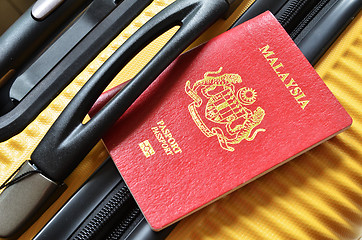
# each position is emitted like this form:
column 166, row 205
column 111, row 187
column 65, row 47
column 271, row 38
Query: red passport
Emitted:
column 220, row 116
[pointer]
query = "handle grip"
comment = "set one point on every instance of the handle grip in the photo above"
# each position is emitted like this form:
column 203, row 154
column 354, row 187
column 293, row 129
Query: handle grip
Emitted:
column 68, row 141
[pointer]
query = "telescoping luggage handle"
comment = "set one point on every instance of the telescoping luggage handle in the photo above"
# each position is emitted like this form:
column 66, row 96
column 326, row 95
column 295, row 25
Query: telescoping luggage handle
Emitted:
column 69, row 140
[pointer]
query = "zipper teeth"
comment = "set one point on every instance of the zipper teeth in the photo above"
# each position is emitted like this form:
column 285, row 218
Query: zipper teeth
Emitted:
column 121, row 228
column 309, row 17
column 104, row 214
column 291, row 11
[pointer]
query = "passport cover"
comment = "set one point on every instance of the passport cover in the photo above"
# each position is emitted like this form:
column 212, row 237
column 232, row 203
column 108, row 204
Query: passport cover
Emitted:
column 220, row 116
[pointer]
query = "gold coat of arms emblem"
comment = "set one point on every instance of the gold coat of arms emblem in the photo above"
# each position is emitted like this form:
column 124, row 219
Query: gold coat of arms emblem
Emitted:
column 224, row 109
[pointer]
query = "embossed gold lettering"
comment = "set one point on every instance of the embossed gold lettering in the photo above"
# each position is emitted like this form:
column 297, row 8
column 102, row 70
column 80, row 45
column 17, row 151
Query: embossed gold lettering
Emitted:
column 278, row 66
column 164, row 136
column 272, row 61
column 290, row 84
column 265, row 51
column 296, row 91
column 299, row 97
column 283, row 76
column 303, row 103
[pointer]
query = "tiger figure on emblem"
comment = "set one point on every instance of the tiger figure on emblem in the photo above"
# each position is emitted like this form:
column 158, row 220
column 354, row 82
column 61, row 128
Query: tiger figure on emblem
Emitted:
column 224, row 107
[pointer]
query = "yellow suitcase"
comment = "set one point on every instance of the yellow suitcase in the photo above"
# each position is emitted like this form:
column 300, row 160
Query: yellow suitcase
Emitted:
column 316, row 196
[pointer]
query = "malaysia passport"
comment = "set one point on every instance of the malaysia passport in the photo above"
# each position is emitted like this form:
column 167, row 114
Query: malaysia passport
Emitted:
column 220, row 116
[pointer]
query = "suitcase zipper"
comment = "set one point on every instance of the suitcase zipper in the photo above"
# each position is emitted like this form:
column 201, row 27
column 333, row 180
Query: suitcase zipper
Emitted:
column 308, row 18
column 297, row 14
column 104, row 216
column 291, row 12
column 119, row 230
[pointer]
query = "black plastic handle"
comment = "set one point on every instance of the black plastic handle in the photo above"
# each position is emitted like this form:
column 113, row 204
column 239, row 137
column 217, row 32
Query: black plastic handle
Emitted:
column 69, row 141
column 92, row 16
column 16, row 119
column 27, row 34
